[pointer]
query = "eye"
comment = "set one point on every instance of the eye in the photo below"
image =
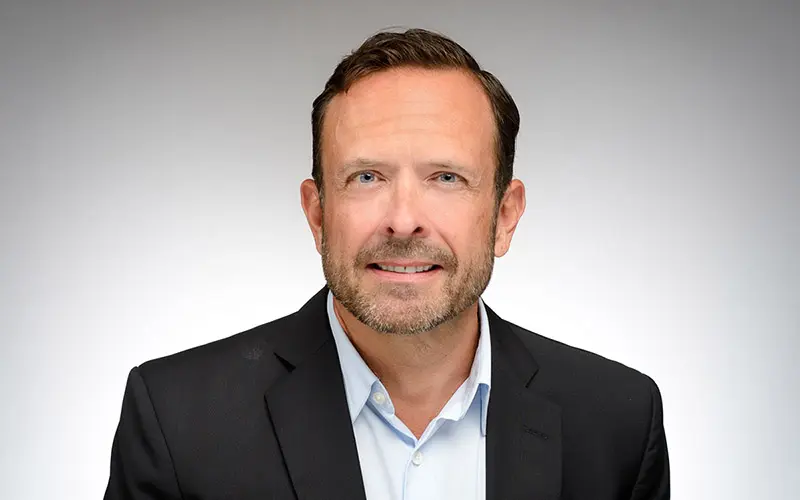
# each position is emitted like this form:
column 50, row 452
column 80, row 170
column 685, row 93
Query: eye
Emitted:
column 448, row 177
column 365, row 177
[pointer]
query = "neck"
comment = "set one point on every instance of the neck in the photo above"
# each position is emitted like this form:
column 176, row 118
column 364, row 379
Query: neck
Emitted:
column 421, row 372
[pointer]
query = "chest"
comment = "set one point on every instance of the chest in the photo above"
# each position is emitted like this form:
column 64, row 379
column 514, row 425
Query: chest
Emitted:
column 447, row 460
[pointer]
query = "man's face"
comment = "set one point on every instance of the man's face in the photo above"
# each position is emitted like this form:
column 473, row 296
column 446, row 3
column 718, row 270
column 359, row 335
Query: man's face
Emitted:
column 409, row 164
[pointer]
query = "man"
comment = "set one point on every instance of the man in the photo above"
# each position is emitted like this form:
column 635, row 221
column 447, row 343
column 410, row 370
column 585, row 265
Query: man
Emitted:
column 396, row 381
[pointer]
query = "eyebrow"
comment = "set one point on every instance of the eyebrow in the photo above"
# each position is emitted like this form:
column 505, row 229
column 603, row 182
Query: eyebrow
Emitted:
column 359, row 163
column 362, row 163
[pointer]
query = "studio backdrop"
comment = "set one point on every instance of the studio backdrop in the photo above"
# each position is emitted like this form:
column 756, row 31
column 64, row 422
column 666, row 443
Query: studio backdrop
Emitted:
column 151, row 154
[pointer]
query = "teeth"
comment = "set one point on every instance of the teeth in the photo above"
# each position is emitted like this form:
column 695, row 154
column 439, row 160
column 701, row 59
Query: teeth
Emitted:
column 406, row 269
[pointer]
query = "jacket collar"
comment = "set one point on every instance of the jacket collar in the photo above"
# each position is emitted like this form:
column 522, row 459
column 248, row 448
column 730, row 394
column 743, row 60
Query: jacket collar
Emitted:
column 523, row 444
column 309, row 413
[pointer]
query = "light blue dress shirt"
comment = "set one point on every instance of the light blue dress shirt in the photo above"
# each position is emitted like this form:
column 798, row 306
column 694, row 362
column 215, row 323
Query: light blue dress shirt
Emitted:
column 449, row 460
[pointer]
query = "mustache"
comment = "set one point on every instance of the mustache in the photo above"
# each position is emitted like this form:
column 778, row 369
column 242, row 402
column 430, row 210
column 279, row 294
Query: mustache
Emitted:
column 411, row 249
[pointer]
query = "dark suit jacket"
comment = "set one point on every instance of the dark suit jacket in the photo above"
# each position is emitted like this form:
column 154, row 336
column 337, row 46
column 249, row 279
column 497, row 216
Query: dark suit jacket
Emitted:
column 262, row 415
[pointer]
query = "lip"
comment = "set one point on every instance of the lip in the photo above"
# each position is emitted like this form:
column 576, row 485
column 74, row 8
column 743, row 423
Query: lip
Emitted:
column 405, row 263
column 405, row 277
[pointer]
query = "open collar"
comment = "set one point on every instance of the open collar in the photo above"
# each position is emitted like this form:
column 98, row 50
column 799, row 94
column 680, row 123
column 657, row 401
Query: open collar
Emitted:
column 360, row 381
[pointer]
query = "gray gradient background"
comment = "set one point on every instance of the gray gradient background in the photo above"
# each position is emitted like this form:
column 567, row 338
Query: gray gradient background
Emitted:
column 151, row 156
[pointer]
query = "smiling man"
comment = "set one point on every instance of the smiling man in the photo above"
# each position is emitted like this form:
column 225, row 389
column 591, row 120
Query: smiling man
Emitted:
column 396, row 381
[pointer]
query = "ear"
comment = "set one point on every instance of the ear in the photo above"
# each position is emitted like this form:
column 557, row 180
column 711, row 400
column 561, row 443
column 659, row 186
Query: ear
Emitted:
column 312, row 207
column 511, row 208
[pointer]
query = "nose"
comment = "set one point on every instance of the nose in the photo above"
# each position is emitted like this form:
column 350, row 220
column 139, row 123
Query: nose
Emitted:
column 405, row 215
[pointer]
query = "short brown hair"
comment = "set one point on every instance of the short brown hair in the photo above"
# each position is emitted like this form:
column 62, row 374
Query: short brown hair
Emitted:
column 422, row 49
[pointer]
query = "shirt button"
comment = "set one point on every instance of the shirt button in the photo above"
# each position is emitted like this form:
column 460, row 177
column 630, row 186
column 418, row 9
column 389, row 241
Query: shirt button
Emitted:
column 379, row 398
column 417, row 459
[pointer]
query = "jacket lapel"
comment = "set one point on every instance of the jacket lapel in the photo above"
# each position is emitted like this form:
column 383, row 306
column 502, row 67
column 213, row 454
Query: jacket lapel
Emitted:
column 523, row 436
column 308, row 409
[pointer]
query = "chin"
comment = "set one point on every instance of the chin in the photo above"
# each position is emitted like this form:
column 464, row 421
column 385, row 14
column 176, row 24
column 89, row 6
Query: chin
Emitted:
column 403, row 316
column 400, row 326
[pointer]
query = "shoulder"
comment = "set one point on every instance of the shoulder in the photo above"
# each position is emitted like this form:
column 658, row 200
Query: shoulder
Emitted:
column 611, row 415
column 230, row 360
column 250, row 360
column 572, row 365
column 590, row 387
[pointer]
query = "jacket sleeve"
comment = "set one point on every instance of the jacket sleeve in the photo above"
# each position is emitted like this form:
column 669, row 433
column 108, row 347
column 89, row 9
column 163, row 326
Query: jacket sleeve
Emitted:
column 652, row 483
column 141, row 466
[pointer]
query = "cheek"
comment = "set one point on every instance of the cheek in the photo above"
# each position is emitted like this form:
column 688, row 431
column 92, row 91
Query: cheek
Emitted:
column 348, row 229
column 462, row 226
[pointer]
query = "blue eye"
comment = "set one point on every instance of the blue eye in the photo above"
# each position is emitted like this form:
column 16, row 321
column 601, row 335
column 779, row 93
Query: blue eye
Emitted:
column 448, row 177
column 369, row 176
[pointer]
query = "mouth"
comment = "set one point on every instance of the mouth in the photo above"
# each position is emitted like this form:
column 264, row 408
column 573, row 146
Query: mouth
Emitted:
column 405, row 273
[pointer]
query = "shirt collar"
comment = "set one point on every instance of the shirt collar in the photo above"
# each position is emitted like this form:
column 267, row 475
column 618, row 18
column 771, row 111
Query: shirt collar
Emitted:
column 358, row 377
column 360, row 381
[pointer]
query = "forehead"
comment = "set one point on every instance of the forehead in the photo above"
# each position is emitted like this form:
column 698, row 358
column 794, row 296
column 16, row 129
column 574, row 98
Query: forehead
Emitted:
column 432, row 112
